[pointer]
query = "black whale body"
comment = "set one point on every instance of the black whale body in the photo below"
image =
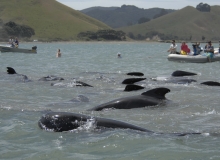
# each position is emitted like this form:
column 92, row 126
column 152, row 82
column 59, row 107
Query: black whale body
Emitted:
column 63, row 121
column 211, row 83
column 180, row 73
column 132, row 87
column 148, row 98
column 132, row 80
column 135, row 74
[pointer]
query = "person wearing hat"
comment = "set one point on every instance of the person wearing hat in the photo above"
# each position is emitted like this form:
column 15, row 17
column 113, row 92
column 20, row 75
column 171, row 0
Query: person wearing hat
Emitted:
column 173, row 47
column 209, row 50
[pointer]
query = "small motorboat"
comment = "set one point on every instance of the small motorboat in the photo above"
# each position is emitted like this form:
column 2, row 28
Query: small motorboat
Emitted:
column 8, row 48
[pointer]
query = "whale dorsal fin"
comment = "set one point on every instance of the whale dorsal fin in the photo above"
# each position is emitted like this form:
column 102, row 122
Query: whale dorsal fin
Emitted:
column 211, row 83
column 179, row 73
column 11, row 70
column 157, row 93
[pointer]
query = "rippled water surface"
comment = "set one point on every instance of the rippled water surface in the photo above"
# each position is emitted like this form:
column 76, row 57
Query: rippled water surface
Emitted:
column 192, row 107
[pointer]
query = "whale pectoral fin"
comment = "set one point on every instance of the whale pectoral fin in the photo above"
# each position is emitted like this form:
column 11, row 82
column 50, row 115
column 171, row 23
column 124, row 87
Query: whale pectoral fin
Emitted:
column 11, row 70
column 157, row 93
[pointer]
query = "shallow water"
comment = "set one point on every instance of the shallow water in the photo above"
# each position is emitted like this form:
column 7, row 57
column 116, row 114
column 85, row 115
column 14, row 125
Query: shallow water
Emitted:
column 192, row 107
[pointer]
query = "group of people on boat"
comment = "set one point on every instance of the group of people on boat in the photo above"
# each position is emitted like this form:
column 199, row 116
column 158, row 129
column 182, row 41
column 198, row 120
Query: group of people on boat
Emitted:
column 13, row 42
column 208, row 50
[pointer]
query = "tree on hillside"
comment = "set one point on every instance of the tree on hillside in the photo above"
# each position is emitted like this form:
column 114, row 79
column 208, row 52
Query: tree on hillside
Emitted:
column 102, row 35
column 203, row 7
column 203, row 38
column 14, row 29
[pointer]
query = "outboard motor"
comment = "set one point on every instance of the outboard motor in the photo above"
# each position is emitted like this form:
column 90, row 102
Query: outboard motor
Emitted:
column 34, row 48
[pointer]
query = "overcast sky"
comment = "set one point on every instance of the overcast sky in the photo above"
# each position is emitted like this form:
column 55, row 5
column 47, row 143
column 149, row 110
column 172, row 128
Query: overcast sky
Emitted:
column 167, row 4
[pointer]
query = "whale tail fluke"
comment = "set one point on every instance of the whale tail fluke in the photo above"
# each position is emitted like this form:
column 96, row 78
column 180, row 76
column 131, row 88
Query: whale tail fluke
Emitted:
column 157, row 93
column 179, row 73
column 11, row 70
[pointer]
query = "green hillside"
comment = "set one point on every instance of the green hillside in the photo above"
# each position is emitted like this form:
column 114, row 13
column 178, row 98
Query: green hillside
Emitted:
column 185, row 24
column 50, row 19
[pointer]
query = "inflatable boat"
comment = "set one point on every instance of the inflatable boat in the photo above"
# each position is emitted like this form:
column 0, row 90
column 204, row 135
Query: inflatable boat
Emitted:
column 201, row 58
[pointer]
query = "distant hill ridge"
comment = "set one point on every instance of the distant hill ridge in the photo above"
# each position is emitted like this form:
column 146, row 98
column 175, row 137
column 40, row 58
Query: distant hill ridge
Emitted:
column 50, row 19
column 126, row 15
column 185, row 24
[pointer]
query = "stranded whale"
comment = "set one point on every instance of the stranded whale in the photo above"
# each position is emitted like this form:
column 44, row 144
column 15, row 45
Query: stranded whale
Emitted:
column 71, row 84
column 63, row 121
column 51, row 78
column 132, row 87
column 135, row 74
column 132, row 80
column 11, row 71
column 179, row 73
column 148, row 98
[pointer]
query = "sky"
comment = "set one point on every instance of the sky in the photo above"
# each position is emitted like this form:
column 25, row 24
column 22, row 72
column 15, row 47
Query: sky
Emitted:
column 166, row 4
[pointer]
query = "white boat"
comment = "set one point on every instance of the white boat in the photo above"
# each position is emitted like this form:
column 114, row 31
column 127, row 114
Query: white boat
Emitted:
column 201, row 58
column 193, row 59
column 14, row 49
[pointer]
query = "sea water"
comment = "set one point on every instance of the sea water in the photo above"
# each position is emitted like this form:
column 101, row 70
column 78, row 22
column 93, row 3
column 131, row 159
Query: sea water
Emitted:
column 191, row 107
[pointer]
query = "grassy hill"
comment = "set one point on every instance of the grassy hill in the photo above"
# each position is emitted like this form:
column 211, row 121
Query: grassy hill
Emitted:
column 186, row 24
column 126, row 15
column 50, row 19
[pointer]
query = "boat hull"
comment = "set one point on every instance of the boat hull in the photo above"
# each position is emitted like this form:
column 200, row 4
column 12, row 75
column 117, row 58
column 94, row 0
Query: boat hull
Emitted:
column 192, row 59
column 19, row 50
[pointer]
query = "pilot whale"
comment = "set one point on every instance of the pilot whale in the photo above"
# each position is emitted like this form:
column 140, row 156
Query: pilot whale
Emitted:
column 132, row 80
column 51, row 78
column 11, row 71
column 177, row 77
column 148, row 98
column 135, row 74
column 180, row 73
column 64, row 121
column 132, row 87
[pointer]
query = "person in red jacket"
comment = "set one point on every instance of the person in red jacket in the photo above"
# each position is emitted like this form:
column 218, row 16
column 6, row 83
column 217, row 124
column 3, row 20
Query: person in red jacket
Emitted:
column 184, row 49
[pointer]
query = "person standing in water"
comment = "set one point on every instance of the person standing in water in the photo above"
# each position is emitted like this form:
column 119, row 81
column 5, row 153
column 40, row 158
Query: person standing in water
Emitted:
column 58, row 53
